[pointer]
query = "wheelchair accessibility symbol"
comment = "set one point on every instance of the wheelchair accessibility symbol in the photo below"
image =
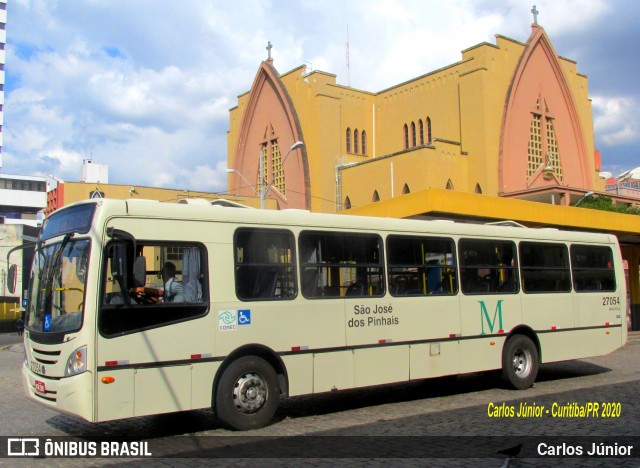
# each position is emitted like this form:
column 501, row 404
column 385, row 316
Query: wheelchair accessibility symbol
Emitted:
column 244, row 317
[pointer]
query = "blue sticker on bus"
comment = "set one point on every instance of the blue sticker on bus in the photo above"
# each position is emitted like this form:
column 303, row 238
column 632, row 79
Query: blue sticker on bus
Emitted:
column 46, row 324
column 244, row 317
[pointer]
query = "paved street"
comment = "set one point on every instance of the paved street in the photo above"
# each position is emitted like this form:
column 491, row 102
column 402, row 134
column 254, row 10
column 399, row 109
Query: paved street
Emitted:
column 7, row 339
column 439, row 407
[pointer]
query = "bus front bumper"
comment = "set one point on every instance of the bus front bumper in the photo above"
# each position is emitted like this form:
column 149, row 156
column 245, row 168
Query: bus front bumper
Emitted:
column 71, row 395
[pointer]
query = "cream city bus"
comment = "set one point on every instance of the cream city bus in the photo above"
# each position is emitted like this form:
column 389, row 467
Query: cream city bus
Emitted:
column 140, row 307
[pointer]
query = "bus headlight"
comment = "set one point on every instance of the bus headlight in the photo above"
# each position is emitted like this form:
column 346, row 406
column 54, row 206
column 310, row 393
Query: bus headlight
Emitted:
column 77, row 362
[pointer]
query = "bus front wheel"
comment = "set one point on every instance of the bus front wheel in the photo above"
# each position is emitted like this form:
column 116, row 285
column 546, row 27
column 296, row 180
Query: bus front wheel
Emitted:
column 247, row 395
column 520, row 362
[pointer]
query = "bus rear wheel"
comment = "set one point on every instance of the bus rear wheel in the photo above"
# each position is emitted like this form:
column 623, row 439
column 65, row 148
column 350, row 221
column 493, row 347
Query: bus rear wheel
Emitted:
column 520, row 362
column 247, row 395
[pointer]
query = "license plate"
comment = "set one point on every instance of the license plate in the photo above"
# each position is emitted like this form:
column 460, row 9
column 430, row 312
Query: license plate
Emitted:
column 40, row 387
column 36, row 367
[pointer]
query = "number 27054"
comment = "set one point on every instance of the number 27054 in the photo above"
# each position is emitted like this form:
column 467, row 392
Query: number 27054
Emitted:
column 610, row 300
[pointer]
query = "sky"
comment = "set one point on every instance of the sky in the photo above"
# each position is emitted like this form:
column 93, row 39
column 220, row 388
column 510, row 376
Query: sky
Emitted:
column 145, row 86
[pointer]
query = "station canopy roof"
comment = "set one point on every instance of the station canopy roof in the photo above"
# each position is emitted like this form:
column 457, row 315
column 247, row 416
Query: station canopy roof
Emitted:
column 476, row 208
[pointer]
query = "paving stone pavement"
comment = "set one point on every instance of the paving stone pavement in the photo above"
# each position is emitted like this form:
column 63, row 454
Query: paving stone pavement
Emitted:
column 393, row 415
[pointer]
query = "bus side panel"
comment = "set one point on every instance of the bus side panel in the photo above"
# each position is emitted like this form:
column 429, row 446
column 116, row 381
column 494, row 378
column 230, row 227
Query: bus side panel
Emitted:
column 434, row 359
column 332, row 371
column 162, row 390
column 598, row 308
column 374, row 366
column 480, row 354
column 300, row 372
column 279, row 325
column 558, row 346
column 543, row 311
column 115, row 400
column 202, row 376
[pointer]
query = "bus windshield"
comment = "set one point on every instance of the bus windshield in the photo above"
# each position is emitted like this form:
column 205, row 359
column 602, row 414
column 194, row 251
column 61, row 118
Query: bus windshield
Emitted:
column 58, row 280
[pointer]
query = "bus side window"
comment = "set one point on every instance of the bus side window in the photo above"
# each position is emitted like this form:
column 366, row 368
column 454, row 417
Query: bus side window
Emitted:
column 135, row 295
column 544, row 267
column 488, row 266
column 592, row 268
column 337, row 264
column 264, row 264
column 421, row 266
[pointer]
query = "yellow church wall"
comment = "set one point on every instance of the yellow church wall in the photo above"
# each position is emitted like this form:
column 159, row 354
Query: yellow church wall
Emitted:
column 420, row 168
column 326, row 144
column 318, row 110
column 433, row 96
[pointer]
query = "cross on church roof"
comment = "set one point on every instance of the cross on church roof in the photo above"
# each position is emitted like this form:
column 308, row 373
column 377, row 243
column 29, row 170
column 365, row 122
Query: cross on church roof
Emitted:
column 535, row 15
column 269, row 47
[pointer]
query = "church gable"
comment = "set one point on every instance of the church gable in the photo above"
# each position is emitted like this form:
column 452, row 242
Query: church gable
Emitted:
column 541, row 131
column 269, row 128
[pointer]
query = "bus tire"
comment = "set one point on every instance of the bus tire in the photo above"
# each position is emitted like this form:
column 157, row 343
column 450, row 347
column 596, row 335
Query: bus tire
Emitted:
column 520, row 362
column 248, row 394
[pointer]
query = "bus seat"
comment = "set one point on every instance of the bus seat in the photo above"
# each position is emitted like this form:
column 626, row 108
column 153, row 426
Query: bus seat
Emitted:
column 265, row 284
column 310, row 283
column 355, row 289
column 399, row 286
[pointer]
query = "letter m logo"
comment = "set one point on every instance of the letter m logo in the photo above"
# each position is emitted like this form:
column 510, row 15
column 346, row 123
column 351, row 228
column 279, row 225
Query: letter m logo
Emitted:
column 485, row 318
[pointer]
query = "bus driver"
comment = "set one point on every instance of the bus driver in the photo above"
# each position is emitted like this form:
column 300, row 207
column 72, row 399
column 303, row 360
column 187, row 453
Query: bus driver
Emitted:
column 172, row 287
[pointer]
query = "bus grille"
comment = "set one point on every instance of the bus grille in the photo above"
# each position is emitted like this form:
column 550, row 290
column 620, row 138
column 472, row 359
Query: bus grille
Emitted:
column 45, row 357
column 51, row 396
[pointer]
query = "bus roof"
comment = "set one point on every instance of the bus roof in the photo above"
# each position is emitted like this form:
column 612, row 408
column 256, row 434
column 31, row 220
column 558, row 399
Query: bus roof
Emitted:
column 304, row 219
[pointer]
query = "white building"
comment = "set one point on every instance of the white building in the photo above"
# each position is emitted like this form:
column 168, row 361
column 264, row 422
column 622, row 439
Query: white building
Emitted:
column 626, row 184
column 21, row 198
column 92, row 172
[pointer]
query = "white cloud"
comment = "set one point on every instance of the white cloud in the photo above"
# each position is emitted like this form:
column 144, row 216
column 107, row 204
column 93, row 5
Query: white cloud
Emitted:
column 617, row 119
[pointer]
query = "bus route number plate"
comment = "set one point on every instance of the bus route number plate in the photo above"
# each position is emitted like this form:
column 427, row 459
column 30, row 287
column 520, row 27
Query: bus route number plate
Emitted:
column 40, row 388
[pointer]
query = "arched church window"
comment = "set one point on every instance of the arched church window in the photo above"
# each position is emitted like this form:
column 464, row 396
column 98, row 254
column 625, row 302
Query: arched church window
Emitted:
column 347, row 203
column 376, row 197
column 348, row 137
column 428, row 130
column 356, row 137
column 478, row 188
column 364, row 142
column 406, row 136
column 421, row 131
column 405, row 189
column 449, row 185
column 413, row 135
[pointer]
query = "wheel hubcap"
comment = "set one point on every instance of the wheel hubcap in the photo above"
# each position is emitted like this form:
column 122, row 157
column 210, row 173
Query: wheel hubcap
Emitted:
column 250, row 393
column 522, row 363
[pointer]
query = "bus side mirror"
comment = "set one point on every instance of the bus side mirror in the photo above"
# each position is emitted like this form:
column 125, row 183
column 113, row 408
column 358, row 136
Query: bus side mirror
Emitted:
column 140, row 271
column 12, row 278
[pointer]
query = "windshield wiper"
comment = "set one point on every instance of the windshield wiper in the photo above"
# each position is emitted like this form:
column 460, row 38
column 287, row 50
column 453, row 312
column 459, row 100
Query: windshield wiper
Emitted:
column 51, row 271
